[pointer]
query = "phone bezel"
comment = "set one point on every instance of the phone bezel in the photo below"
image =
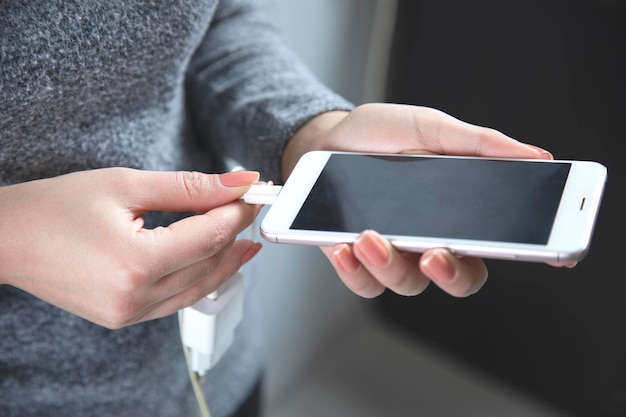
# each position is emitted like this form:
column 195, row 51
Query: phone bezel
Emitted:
column 568, row 242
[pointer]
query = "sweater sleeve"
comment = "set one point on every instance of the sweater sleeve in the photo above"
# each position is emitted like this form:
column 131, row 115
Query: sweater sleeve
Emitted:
column 248, row 93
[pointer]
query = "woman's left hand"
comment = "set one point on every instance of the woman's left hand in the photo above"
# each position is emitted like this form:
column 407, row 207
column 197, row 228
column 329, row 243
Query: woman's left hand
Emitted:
column 371, row 264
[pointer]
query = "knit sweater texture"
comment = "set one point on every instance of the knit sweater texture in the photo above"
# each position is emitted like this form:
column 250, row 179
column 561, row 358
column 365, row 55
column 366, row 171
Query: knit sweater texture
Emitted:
column 154, row 85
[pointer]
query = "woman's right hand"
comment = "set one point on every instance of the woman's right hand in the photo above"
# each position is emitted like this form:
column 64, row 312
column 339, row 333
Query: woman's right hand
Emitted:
column 78, row 241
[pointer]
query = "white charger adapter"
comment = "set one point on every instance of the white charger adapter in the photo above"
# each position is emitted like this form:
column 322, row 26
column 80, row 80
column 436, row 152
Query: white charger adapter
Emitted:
column 208, row 326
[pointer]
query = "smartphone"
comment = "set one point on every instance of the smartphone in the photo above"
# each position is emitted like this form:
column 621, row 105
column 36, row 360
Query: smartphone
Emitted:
column 516, row 209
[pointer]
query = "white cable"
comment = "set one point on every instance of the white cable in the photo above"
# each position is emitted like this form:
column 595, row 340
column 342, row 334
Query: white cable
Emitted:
column 193, row 376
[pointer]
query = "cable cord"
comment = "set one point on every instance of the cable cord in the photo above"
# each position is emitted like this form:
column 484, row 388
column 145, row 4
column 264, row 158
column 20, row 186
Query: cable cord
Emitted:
column 193, row 376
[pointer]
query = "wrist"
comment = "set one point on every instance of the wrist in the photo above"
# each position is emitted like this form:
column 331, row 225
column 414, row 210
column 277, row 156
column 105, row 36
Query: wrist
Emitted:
column 311, row 136
column 7, row 243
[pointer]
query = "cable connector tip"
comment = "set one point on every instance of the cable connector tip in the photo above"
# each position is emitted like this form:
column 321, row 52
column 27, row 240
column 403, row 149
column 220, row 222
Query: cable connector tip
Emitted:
column 261, row 194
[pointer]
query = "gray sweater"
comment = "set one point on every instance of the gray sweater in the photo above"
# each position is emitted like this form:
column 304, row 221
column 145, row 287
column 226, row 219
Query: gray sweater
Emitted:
column 152, row 85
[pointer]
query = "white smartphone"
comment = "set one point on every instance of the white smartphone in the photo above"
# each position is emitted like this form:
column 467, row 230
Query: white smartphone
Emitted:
column 517, row 209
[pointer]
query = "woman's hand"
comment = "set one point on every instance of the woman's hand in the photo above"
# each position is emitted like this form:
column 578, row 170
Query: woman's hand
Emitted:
column 78, row 241
column 372, row 264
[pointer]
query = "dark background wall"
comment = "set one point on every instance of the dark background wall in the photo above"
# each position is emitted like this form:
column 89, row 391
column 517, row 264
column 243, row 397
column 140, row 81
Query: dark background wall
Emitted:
column 551, row 73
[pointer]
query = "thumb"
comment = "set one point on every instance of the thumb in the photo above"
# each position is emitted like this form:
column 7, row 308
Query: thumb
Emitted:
column 192, row 191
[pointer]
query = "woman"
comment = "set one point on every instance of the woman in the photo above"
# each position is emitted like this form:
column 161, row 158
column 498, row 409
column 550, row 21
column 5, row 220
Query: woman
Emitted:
column 109, row 112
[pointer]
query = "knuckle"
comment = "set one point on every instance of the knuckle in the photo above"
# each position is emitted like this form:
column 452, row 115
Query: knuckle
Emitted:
column 397, row 279
column 406, row 283
column 122, row 304
column 218, row 237
column 481, row 138
column 119, row 312
column 194, row 183
column 130, row 279
column 124, row 179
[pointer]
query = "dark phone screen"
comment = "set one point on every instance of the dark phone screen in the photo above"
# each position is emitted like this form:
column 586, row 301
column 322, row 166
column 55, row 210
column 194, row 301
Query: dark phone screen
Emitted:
column 483, row 199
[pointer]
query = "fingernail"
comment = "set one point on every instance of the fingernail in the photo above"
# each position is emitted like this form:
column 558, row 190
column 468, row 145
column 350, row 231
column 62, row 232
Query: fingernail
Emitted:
column 436, row 264
column 250, row 253
column 239, row 178
column 345, row 259
column 372, row 249
column 544, row 154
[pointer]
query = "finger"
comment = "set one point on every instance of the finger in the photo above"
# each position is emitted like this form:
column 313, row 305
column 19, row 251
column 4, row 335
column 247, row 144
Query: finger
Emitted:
column 192, row 239
column 459, row 277
column 568, row 265
column 416, row 129
column 467, row 139
column 216, row 267
column 445, row 134
column 202, row 285
column 188, row 276
column 183, row 191
column 354, row 276
column 456, row 137
column 388, row 266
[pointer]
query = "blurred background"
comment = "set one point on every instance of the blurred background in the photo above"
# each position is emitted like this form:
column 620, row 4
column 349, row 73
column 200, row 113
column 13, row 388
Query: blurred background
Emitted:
column 536, row 341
